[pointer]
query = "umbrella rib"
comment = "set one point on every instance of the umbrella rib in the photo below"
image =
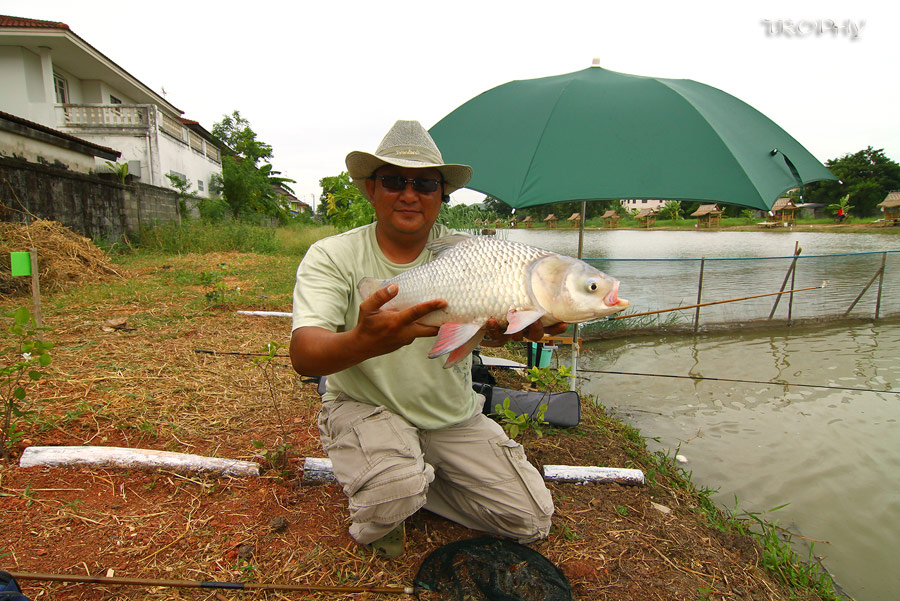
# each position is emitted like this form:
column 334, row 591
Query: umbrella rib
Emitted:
column 537, row 146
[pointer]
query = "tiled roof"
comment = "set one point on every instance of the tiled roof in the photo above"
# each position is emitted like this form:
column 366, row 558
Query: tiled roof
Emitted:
column 7, row 21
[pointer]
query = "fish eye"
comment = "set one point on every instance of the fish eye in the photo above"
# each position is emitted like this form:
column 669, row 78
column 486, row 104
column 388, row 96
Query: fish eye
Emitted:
column 592, row 285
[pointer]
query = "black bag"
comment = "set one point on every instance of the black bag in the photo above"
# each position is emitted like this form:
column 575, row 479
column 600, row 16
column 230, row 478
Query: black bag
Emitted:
column 563, row 408
column 480, row 372
column 9, row 588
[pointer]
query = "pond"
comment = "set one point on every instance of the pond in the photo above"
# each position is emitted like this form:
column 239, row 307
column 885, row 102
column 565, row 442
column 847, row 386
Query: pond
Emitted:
column 831, row 454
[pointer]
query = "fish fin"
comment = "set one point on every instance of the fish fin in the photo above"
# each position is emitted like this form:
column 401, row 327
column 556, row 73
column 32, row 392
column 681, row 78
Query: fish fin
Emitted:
column 441, row 245
column 368, row 286
column 461, row 352
column 452, row 336
column 519, row 320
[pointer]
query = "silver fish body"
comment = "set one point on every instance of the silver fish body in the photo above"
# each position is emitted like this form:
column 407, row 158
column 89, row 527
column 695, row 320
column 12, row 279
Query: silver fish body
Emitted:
column 481, row 278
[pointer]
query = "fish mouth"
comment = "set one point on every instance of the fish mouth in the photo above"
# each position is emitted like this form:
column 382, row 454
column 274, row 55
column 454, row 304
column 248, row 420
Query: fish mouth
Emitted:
column 612, row 299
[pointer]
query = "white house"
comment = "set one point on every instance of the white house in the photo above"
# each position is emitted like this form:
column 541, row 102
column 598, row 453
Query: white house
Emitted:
column 642, row 203
column 53, row 78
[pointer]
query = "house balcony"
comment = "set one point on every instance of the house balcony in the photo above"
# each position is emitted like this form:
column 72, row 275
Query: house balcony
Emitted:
column 106, row 117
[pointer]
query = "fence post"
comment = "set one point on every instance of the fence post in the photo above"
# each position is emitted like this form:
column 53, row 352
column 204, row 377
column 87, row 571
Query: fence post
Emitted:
column 879, row 272
column 699, row 295
column 793, row 278
column 880, row 285
column 797, row 251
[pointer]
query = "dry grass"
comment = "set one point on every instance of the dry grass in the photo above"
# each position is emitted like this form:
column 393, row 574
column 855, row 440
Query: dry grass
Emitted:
column 145, row 386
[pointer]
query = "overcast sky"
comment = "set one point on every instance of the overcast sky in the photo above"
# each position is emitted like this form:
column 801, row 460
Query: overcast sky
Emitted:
column 319, row 78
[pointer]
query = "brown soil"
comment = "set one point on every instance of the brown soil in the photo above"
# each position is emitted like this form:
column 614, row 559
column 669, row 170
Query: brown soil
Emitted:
column 144, row 386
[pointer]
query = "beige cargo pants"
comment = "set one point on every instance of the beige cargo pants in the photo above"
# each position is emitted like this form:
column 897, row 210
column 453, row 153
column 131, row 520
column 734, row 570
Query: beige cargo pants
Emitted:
column 471, row 473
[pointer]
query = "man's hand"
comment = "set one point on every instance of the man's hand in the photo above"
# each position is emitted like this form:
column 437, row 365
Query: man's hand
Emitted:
column 386, row 330
column 494, row 335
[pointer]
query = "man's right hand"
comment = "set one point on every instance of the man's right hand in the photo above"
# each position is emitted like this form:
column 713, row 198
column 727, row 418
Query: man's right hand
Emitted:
column 316, row 351
column 386, row 330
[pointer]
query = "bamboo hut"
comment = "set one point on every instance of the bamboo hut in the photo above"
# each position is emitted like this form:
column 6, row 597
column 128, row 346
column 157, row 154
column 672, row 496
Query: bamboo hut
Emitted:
column 610, row 219
column 528, row 221
column 574, row 219
column 551, row 220
column 891, row 208
column 708, row 215
column 646, row 217
column 784, row 209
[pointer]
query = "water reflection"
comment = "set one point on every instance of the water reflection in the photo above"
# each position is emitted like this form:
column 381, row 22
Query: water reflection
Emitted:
column 833, row 455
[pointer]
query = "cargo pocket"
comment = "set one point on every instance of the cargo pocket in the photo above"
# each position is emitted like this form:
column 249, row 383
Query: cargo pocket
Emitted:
column 375, row 464
column 529, row 476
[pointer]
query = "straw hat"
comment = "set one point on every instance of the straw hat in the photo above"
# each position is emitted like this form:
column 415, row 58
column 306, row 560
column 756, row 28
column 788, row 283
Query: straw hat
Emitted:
column 407, row 144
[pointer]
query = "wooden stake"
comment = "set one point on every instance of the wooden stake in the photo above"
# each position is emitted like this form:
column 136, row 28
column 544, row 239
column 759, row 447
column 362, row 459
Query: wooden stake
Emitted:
column 36, row 294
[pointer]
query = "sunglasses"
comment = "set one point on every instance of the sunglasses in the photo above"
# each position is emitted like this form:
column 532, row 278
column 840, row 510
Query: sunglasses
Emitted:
column 397, row 183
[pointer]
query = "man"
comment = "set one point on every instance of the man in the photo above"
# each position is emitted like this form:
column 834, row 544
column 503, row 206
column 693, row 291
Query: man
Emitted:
column 403, row 432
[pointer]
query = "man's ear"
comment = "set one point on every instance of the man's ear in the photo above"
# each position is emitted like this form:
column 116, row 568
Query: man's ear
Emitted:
column 370, row 188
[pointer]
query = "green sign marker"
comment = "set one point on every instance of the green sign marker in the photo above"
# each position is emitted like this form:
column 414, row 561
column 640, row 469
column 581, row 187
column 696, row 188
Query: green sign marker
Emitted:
column 20, row 262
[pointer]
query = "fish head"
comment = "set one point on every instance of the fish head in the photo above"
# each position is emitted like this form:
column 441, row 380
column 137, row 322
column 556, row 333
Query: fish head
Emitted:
column 572, row 291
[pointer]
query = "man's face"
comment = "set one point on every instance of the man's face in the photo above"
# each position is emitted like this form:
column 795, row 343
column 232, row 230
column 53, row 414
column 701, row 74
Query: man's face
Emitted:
column 405, row 213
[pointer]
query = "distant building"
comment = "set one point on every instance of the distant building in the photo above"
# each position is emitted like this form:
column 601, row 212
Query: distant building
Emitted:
column 69, row 105
column 642, row 203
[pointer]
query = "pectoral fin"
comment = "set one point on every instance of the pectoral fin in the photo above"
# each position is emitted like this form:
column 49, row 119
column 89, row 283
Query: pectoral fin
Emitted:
column 452, row 336
column 367, row 286
column 461, row 352
column 519, row 320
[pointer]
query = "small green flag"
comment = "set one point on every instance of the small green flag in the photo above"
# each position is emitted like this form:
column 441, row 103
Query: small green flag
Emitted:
column 20, row 262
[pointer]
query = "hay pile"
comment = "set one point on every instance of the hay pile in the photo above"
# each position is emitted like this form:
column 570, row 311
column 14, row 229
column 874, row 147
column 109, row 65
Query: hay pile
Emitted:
column 64, row 257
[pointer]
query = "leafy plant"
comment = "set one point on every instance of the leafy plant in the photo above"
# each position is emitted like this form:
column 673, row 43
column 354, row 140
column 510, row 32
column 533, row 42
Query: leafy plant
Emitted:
column 28, row 352
column 120, row 169
column 514, row 423
column 277, row 456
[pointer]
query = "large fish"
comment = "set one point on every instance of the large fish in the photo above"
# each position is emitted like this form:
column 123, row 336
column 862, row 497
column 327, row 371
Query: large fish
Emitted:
column 481, row 277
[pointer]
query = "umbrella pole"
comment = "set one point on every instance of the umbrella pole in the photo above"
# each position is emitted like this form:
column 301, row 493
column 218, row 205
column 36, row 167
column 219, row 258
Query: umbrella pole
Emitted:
column 581, row 221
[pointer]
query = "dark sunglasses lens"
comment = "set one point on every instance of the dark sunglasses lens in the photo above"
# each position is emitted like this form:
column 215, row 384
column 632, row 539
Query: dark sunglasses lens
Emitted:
column 393, row 182
column 425, row 186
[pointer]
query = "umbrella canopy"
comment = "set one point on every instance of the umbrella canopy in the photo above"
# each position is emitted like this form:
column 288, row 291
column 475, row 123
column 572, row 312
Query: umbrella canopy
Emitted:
column 598, row 134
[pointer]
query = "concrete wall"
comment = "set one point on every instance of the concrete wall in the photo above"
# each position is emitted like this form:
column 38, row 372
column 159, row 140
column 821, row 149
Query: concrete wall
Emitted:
column 95, row 206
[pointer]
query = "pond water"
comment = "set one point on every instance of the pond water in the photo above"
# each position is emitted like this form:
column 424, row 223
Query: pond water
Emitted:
column 833, row 455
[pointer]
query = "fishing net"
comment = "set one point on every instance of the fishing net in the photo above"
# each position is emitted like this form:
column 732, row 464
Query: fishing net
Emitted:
column 490, row 569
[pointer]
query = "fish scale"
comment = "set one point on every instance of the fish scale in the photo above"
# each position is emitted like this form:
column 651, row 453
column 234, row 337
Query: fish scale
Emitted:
column 479, row 278
column 483, row 278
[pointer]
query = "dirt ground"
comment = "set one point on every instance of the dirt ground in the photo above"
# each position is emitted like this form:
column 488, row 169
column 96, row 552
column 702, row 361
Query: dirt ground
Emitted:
column 143, row 384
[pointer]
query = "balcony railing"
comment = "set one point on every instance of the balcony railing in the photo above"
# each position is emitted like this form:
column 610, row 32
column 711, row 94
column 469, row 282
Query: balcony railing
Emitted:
column 104, row 115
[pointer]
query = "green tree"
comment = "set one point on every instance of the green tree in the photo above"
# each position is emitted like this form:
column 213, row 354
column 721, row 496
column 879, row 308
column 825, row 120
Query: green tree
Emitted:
column 248, row 181
column 343, row 204
column 867, row 176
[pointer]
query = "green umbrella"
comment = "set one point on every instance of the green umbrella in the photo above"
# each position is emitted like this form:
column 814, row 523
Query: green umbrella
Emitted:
column 597, row 134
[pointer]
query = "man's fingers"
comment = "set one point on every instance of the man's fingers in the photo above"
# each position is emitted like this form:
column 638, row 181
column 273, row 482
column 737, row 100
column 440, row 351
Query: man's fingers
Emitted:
column 379, row 298
column 416, row 312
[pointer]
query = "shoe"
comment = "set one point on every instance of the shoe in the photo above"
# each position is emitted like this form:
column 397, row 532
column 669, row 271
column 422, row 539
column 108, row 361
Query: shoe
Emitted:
column 391, row 544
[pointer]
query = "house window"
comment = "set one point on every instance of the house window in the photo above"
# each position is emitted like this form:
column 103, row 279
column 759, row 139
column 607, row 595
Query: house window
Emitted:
column 114, row 100
column 62, row 89
column 200, row 185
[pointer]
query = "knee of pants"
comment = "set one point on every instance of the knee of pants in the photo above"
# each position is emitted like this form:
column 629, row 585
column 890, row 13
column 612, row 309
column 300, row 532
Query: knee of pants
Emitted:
column 391, row 495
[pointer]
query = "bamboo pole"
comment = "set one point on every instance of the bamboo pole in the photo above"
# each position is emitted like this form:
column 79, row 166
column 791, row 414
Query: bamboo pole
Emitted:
column 699, row 295
column 797, row 251
column 865, row 289
column 244, row 586
column 730, row 300
column 793, row 279
column 36, row 294
column 880, row 285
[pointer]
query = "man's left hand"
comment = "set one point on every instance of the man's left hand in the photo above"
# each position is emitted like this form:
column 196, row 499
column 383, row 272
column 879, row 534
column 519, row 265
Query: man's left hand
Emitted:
column 494, row 333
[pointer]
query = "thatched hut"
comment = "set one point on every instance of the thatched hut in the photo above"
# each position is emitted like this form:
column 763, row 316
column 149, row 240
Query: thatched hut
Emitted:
column 891, row 207
column 574, row 219
column 708, row 215
column 784, row 209
column 528, row 221
column 551, row 220
column 646, row 217
column 610, row 219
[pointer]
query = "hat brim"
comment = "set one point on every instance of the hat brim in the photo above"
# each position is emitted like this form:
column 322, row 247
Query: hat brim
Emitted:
column 361, row 165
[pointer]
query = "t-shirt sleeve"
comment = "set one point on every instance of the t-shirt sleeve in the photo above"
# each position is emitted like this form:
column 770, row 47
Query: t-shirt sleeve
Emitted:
column 321, row 292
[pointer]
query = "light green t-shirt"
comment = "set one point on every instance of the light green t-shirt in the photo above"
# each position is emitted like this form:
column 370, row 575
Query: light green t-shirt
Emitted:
column 405, row 381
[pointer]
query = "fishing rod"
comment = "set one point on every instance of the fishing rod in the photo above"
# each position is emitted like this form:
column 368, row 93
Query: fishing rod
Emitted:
column 730, row 300
column 243, row 586
column 739, row 381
